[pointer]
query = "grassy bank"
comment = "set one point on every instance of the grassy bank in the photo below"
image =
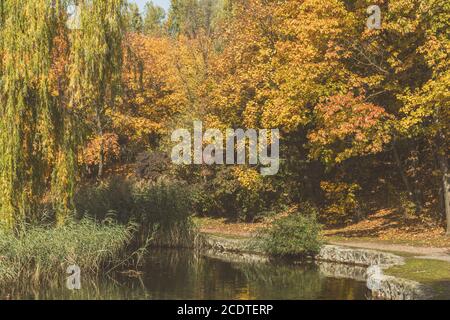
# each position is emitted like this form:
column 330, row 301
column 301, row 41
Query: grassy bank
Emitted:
column 433, row 273
column 43, row 253
column 115, row 222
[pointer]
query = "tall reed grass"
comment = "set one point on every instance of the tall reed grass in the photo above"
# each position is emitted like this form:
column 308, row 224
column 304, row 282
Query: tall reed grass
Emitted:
column 147, row 215
column 161, row 211
column 43, row 253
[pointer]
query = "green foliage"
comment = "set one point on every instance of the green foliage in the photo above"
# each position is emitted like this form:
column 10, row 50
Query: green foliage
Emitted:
column 44, row 253
column 53, row 79
column 161, row 210
column 161, row 203
column 406, row 205
column 142, row 201
column 296, row 235
column 192, row 17
column 26, row 105
column 154, row 19
column 112, row 197
column 216, row 195
column 342, row 204
column 133, row 18
column 237, row 194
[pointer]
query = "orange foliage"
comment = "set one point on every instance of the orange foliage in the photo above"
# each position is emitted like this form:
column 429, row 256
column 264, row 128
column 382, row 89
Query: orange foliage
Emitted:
column 111, row 147
column 347, row 126
column 152, row 95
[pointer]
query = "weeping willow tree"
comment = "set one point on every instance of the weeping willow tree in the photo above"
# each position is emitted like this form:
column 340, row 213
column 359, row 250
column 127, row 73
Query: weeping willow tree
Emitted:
column 52, row 79
column 96, row 62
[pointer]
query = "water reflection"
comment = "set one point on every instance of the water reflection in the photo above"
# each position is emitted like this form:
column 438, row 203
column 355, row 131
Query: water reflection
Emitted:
column 185, row 275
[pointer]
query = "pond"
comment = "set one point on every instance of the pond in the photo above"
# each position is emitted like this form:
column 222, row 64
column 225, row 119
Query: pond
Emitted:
column 185, row 275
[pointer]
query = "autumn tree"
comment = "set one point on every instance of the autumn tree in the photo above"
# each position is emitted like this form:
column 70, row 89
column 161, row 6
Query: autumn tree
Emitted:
column 97, row 56
column 133, row 18
column 279, row 61
column 153, row 94
column 399, row 64
column 425, row 111
column 344, row 97
column 27, row 105
column 51, row 79
column 153, row 19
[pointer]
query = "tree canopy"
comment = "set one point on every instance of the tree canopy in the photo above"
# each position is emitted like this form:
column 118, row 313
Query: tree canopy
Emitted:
column 363, row 113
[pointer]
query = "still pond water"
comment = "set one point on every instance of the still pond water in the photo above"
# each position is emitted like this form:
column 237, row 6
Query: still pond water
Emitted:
column 184, row 275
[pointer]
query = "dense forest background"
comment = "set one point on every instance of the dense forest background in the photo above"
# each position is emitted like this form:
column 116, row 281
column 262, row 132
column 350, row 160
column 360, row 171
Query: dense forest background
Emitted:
column 363, row 114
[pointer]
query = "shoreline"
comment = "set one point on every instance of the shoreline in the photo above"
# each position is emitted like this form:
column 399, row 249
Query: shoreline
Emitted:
column 334, row 261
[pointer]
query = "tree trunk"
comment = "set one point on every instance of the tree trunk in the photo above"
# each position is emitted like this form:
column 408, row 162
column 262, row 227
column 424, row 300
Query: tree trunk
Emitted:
column 405, row 178
column 101, row 159
column 443, row 163
column 101, row 154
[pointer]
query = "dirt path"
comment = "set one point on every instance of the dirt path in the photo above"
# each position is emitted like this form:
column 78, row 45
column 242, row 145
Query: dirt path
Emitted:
column 442, row 254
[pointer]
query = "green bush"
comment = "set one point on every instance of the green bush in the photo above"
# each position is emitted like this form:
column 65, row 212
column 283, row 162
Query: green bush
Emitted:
column 222, row 194
column 113, row 197
column 161, row 203
column 296, row 235
column 216, row 195
column 163, row 211
column 139, row 201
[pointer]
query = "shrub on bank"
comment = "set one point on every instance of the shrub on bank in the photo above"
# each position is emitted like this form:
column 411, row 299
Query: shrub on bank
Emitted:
column 43, row 253
column 296, row 235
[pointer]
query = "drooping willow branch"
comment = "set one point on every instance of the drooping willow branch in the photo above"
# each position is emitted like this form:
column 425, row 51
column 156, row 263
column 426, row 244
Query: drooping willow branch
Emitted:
column 52, row 79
